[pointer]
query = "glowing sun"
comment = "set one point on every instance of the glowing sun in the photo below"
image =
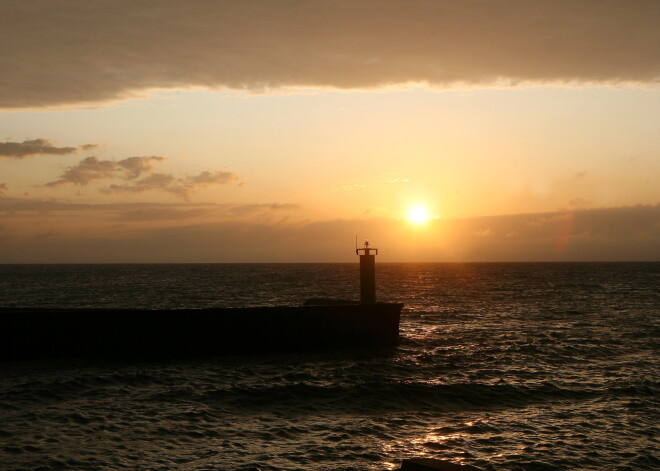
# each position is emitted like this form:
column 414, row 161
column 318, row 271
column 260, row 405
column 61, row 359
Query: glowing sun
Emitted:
column 418, row 215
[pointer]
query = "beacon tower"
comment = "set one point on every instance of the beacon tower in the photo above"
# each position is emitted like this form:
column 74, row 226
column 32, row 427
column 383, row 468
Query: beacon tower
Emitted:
column 367, row 273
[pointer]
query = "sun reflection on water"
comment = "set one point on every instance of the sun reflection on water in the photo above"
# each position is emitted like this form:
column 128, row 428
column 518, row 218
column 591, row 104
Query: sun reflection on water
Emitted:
column 447, row 443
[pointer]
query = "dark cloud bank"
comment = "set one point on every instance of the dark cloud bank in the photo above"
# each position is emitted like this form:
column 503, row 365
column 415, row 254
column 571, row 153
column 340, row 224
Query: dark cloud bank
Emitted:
column 55, row 52
column 614, row 234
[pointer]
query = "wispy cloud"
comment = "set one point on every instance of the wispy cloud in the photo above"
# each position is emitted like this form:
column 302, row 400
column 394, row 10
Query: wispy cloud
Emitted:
column 161, row 212
column 155, row 181
column 139, row 212
column 33, row 147
column 100, row 54
column 92, row 168
column 181, row 186
column 138, row 175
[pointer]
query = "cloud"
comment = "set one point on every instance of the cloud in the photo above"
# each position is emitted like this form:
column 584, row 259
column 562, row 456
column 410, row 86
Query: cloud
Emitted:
column 246, row 209
column 62, row 53
column 32, row 147
column 139, row 176
column 92, row 168
column 220, row 233
column 163, row 213
column 160, row 212
column 626, row 233
column 210, row 178
column 138, row 212
column 188, row 183
column 155, row 181
column 181, row 186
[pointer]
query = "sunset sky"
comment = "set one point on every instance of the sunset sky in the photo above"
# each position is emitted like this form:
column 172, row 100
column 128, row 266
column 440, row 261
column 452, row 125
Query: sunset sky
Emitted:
column 275, row 131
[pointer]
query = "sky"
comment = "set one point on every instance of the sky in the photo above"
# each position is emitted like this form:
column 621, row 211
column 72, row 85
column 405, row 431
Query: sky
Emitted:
column 261, row 131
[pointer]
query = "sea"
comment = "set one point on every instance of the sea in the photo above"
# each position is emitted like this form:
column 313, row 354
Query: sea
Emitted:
column 503, row 366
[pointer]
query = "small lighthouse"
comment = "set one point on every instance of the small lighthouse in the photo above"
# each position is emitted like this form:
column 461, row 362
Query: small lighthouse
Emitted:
column 367, row 273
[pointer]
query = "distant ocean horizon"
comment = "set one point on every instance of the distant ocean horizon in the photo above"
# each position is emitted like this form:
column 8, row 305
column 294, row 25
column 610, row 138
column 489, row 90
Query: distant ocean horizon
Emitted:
column 502, row 365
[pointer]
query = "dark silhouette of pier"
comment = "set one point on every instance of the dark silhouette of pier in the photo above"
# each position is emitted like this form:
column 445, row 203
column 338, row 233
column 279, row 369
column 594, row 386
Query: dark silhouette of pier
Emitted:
column 128, row 333
column 38, row 333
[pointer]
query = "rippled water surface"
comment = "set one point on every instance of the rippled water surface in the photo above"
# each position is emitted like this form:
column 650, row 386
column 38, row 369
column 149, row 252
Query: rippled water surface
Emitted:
column 503, row 366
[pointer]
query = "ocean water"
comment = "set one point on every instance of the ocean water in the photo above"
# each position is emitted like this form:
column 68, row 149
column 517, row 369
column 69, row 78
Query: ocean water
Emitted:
column 502, row 366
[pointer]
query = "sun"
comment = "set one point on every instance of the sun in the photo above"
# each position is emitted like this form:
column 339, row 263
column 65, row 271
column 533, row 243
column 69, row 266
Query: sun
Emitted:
column 418, row 214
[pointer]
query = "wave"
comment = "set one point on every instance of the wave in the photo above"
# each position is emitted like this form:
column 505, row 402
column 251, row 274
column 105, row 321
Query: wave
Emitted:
column 376, row 397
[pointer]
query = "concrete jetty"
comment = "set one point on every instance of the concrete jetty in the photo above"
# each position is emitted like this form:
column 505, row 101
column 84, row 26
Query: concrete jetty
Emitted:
column 127, row 333
column 38, row 333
